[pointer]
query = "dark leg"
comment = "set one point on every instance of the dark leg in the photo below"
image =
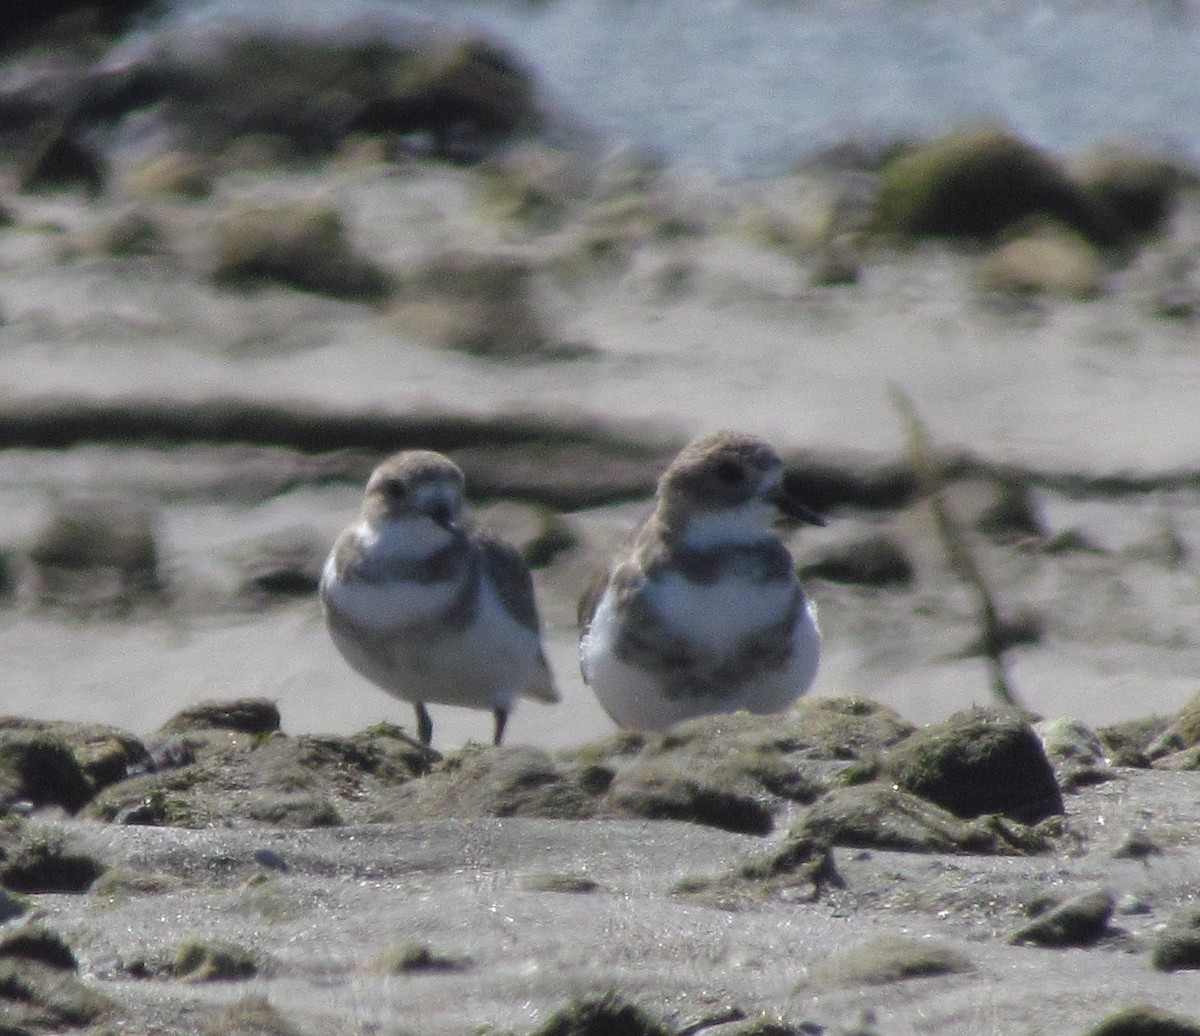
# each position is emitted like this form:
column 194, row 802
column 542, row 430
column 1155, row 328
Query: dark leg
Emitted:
column 501, row 719
column 424, row 723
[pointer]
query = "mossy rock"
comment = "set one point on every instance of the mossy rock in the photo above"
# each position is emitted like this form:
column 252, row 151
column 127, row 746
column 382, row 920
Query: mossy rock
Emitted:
column 104, row 754
column 1144, row 1020
column 229, row 765
column 483, row 305
column 96, row 552
column 1080, row 921
column 175, row 173
column 502, row 782
column 605, row 1014
column 302, row 245
column 201, row 960
column 886, row 959
column 977, row 184
column 878, row 816
column 466, row 96
column 1183, row 732
column 412, row 957
column 1177, row 946
column 59, row 158
column 42, row 860
column 246, row 715
column 38, row 767
column 250, row 1016
column 1053, row 260
column 873, row 560
column 1143, row 189
column 281, row 567
column 977, row 761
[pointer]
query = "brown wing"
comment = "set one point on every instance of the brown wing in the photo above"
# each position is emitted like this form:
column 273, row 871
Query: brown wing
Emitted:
column 589, row 600
column 506, row 568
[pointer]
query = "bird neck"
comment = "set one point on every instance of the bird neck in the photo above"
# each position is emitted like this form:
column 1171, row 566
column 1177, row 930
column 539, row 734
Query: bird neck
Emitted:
column 739, row 526
column 405, row 539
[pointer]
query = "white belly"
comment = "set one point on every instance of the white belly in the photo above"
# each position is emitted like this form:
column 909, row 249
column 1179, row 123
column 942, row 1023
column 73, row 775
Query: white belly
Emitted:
column 486, row 665
column 383, row 606
column 719, row 615
column 634, row 697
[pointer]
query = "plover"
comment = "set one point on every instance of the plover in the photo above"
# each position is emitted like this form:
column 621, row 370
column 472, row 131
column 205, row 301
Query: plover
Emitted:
column 702, row 611
column 426, row 609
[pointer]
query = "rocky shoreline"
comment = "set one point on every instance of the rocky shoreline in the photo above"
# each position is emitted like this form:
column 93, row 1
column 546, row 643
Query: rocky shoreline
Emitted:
column 834, row 870
column 237, row 270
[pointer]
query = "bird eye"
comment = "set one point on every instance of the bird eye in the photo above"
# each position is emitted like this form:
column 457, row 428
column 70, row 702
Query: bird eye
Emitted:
column 392, row 488
column 730, row 472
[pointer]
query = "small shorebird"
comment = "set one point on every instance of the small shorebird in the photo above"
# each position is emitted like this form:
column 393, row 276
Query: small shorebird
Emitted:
column 427, row 610
column 702, row 611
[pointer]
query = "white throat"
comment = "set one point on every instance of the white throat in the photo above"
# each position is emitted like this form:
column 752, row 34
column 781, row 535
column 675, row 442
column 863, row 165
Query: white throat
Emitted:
column 406, row 539
column 747, row 523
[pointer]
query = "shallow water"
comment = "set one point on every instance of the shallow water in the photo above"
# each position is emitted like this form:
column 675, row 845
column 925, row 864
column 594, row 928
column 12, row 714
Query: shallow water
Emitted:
column 744, row 87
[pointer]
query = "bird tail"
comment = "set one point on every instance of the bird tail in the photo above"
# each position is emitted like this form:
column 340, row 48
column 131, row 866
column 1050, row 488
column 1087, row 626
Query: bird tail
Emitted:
column 541, row 686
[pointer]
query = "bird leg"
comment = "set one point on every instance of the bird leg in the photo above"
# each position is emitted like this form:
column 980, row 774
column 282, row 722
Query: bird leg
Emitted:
column 501, row 719
column 424, row 723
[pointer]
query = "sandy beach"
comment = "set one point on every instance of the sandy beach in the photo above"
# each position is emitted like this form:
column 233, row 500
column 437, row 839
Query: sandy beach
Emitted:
column 205, row 351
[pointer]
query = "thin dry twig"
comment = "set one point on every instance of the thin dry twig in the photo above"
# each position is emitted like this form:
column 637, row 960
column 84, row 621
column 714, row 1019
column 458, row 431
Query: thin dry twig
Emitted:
column 962, row 560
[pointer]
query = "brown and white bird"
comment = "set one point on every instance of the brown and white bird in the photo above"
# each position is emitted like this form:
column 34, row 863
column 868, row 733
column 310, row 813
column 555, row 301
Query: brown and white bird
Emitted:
column 426, row 609
column 702, row 611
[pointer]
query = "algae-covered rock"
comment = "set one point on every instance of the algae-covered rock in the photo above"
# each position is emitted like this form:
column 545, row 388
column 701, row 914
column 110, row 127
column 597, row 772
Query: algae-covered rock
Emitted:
column 39, row 768
column 1183, row 732
column 799, row 871
column 872, row 560
column 466, row 97
column 41, row 859
column 413, row 957
column 304, row 245
column 882, row 817
column 1126, row 743
column 976, row 184
column 1177, row 946
column 1080, row 921
column 228, row 765
column 281, row 567
column 60, row 158
column 885, row 959
column 245, row 715
column 1050, row 260
column 540, row 533
column 735, row 772
column 200, row 960
column 504, row 782
column 1142, row 189
column 977, row 761
column 1074, row 751
column 250, row 1016
column 657, row 793
column 1145, row 1020
column 39, row 989
column 172, row 173
column 49, row 763
column 96, row 553
column 484, row 305
column 604, row 1014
